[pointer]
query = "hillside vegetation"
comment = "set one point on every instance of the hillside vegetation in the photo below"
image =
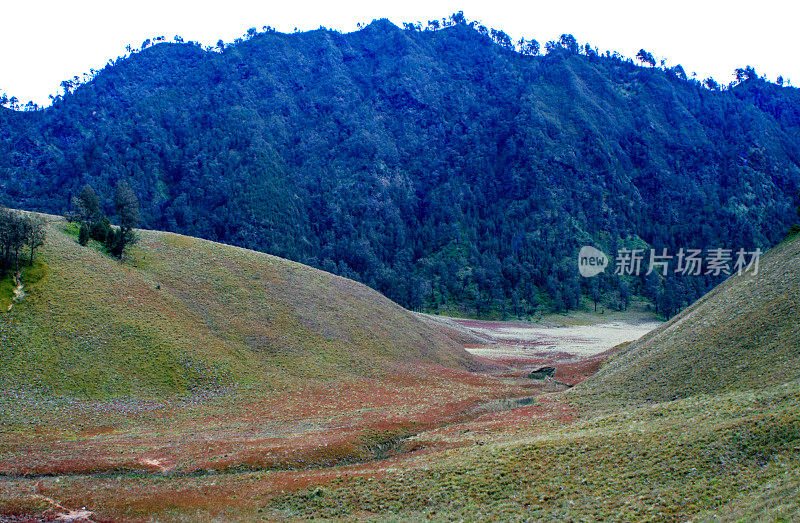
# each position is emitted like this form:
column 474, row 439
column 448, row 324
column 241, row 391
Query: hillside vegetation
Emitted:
column 743, row 335
column 192, row 315
column 728, row 456
column 698, row 420
column 384, row 440
column 438, row 167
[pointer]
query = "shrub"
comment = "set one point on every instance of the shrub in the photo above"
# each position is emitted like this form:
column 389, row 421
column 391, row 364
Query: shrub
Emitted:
column 100, row 229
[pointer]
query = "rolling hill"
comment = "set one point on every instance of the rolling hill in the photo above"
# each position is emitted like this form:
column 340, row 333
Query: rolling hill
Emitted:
column 349, row 416
column 697, row 420
column 745, row 334
column 199, row 380
column 191, row 315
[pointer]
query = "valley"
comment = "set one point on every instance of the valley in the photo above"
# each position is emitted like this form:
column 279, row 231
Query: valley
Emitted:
column 444, row 418
column 229, row 453
column 176, row 452
column 328, row 275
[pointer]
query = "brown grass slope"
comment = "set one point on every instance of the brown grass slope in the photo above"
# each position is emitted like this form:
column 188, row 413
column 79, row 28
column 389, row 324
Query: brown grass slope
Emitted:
column 186, row 314
column 745, row 334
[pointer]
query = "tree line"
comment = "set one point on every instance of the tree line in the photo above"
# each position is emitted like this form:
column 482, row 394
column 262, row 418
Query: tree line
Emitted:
column 94, row 224
column 527, row 47
column 20, row 235
column 463, row 188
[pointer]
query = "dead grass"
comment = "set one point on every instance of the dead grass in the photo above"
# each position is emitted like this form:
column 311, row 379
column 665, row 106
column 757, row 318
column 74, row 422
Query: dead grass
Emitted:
column 663, row 462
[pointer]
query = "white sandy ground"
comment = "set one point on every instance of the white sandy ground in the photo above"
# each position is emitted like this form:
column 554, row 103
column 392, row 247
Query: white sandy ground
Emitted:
column 582, row 340
column 66, row 514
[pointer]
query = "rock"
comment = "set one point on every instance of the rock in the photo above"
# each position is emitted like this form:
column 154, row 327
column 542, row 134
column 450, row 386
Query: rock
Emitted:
column 542, row 373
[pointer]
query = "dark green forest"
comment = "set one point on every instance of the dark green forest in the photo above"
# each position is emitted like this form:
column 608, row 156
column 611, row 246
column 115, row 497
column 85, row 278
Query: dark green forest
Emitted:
column 448, row 168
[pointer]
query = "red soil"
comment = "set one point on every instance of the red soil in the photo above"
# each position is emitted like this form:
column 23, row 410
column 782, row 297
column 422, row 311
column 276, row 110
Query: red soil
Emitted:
column 310, row 436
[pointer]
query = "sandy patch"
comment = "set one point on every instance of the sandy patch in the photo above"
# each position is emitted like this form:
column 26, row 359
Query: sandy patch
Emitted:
column 519, row 341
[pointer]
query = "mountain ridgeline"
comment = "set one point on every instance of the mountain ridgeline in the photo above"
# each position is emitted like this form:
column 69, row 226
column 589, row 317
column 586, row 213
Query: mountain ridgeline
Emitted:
column 438, row 167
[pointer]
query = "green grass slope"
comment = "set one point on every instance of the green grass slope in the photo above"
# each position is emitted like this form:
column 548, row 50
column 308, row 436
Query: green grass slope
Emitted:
column 187, row 314
column 743, row 335
column 698, row 420
column 729, row 456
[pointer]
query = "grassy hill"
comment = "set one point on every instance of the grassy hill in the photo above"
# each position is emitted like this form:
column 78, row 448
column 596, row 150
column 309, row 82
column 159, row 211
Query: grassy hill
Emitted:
column 728, row 456
column 186, row 314
column 189, row 313
column 745, row 334
column 698, row 420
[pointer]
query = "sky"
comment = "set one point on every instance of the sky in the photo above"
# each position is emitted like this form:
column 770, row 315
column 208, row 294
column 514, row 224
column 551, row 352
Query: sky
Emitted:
column 45, row 42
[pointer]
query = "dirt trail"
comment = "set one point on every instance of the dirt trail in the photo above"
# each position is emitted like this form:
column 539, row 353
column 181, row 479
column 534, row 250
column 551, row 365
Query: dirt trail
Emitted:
column 19, row 291
column 62, row 513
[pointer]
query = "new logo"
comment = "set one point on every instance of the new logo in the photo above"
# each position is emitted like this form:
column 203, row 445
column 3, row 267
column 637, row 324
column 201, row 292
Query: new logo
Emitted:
column 591, row 261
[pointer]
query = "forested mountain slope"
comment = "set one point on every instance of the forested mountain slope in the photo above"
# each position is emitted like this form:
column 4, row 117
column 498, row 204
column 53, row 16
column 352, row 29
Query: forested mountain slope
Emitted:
column 438, row 167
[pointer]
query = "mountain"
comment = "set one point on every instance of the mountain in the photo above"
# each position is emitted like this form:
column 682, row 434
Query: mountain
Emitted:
column 441, row 168
column 743, row 335
column 189, row 315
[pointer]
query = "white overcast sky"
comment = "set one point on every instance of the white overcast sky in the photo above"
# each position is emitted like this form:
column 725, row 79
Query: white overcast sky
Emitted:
column 45, row 42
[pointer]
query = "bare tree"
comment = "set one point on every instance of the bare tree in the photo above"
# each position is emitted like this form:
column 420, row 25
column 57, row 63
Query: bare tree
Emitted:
column 14, row 236
column 35, row 233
